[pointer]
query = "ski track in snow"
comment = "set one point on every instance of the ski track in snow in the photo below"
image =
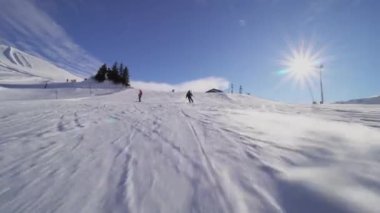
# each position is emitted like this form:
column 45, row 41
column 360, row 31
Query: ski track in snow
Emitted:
column 222, row 154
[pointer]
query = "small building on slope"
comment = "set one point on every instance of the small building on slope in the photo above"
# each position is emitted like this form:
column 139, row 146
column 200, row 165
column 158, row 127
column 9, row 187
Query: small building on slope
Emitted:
column 214, row 91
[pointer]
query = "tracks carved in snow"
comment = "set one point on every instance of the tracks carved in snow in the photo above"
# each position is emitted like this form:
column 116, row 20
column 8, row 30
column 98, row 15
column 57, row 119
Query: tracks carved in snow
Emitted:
column 210, row 169
column 70, row 123
column 251, row 150
column 120, row 173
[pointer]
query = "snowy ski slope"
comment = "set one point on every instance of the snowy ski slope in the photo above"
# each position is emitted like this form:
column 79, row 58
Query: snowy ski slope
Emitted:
column 225, row 153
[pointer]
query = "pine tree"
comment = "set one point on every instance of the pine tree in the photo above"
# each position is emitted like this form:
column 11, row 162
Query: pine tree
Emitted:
column 118, row 73
column 121, row 73
column 114, row 67
column 126, row 76
column 101, row 74
column 113, row 74
column 121, row 68
column 108, row 73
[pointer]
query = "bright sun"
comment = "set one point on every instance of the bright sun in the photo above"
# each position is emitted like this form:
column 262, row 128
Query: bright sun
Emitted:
column 301, row 65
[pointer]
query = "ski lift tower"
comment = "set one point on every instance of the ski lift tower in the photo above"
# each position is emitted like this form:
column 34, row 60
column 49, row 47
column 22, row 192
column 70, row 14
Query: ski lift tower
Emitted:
column 320, row 78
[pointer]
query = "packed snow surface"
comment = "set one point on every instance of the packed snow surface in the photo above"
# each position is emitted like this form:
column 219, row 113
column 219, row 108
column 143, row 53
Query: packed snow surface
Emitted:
column 225, row 153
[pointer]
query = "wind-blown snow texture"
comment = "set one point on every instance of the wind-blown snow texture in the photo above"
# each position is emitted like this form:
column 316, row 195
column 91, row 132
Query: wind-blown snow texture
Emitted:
column 225, row 153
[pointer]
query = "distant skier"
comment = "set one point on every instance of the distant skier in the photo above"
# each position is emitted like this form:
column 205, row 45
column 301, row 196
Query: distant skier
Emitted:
column 140, row 95
column 189, row 96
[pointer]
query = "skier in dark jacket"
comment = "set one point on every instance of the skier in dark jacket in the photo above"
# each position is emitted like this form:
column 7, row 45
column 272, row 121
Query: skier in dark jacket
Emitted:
column 189, row 96
column 140, row 95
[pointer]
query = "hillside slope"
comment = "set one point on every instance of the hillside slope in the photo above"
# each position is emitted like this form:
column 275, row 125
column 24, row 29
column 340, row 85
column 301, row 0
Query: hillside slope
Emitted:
column 225, row 153
column 17, row 66
column 372, row 100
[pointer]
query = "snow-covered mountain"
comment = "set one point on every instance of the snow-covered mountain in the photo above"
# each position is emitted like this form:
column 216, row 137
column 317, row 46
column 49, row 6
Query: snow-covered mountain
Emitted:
column 17, row 66
column 372, row 100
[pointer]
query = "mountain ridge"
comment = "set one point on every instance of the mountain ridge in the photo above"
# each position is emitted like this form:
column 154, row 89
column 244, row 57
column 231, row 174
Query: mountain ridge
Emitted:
column 370, row 100
column 17, row 66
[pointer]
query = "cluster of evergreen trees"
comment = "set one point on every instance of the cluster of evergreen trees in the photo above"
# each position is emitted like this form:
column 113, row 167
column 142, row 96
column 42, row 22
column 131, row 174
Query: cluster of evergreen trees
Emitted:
column 119, row 74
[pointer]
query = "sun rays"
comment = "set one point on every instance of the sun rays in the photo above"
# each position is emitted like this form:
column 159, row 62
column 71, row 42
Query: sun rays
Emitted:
column 301, row 66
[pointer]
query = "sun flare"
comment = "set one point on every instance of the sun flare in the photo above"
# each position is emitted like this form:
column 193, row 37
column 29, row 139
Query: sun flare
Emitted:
column 301, row 64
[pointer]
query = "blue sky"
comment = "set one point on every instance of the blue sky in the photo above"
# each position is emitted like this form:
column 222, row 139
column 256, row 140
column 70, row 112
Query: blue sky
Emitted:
column 175, row 41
